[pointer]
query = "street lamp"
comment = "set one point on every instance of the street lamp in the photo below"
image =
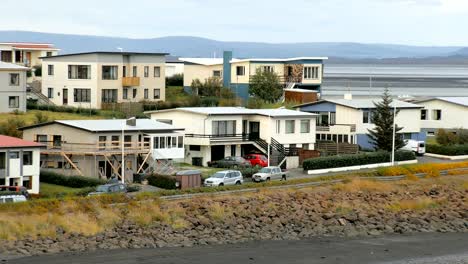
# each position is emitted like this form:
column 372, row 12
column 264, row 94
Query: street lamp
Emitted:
column 123, row 151
column 394, row 129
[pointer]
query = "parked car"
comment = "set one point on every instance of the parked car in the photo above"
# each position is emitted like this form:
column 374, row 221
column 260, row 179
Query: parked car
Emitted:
column 257, row 160
column 230, row 162
column 418, row 147
column 227, row 177
column 12, row 198
column 269, row 173
column 109, row 189
column 18, row 189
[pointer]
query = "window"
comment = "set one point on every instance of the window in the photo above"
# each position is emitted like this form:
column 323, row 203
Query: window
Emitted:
column 14, row 79
column 13, row 101
column 431, row 133
column 180, row 142
column 109, row 96
column 240, row 70
column 145, row 93
column 165, row 121
column 305, row 146
column 128, row 141
column 2, row 160
column 125, row 93
column 79, row 71
column 224, row 128
column 405, row 136
column 311, row 72
column 437, row 114
column 278, row 126
column 102, row 142
column 134, row 93
column 332, row 118
column 124, row 71
column 217, row 74
column 162, row 142
column 14, row 155
column 50, row 70
column 82, row 95
column 49, row 53
column 115, row 140
column 50, row 92
column 366, row 117
column 110, row 72
column 157, row 93
column 423, row 114
column 290, row 126
column 268, row 68
column 305, row 126
column 135, row 70
column 157, row 71
column 41, row 138
column 233, row 150
column 325, row 118
column 146, row 71
column 155, row 142
column 195, row 148
column 174, row 142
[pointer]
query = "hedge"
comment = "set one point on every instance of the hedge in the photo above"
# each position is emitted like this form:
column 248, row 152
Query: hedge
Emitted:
column 451, row 150
column 31, row 105
column 162, row 181
column 69, row 181
column 355, row 160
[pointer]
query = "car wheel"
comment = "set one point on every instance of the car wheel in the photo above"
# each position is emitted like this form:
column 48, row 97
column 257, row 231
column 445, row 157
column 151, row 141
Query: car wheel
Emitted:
column 238, row 183
column 268, row 179
column 221, row 184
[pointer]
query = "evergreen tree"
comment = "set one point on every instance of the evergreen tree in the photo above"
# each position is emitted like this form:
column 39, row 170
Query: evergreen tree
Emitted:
column 265, row 85
column 382, row 117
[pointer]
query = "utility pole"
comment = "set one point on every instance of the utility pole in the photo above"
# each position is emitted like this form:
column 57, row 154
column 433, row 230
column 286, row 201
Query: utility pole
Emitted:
column 393, row 139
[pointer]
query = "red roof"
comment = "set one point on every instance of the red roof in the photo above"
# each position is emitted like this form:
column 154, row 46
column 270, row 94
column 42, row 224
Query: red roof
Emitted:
column 12, row 142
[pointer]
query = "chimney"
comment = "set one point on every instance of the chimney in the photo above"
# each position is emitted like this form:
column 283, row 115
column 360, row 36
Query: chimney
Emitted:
column 348, row 96
column 131, row 121
column 227, row 57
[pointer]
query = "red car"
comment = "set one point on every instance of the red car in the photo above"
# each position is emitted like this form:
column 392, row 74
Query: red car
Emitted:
column 257, row 159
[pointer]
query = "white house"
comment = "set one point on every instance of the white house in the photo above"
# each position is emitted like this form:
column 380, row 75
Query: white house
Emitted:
column 12, row 87
column 19, row 163
column 213, row 133
column 348, row 120
column 449, row 113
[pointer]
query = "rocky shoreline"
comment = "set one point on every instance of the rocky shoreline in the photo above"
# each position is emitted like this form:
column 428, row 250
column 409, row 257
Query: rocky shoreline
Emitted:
column 278, row 215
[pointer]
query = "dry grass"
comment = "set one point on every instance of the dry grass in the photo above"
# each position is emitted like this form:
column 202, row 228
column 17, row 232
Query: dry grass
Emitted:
column 218, row 212
column 414, row 205
column 358, row 185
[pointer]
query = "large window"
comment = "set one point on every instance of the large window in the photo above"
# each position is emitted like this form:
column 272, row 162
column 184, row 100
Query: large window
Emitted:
column 13, row 101
column 367, row 117
column 180, row 142
column 125, row 93
column 437, row 114
column 41, row 138
column 135, row 71
column 109, row 96
column 240, row 70
column 2, row 160
column 311, row 72
column 14, row 79
column 79, row 71
column 146, row 71
column 145, row 94
column 157, row 72
column 224, row 128
column 50, row 70
column 217, row 74
column 423, row 114
column 50, row 92
column 157, row 93
column 110, row 72
column 134, row 93
column 325, row 118
column 82, row 95
column 305, row 126
column 290, row 126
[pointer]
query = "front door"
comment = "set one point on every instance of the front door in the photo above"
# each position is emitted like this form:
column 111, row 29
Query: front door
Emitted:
column 254, row 130
column 65, row 96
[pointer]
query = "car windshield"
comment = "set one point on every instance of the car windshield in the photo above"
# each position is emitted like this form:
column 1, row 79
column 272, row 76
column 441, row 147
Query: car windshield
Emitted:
column 218, row 175
column 265, row 170
column 102, row 188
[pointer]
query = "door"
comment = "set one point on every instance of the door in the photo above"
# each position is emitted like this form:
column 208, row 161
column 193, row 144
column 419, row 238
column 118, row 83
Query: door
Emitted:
column 254, row 128
column 65, row 96
column 57, row 141
column 217, row 152
column 28, row 59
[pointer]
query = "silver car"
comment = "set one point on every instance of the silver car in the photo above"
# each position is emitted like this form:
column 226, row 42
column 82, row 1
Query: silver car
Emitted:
column 269, row 173
column 227, row 177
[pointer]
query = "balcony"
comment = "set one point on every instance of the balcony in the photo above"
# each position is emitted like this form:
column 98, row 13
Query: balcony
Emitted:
column 337, row 128
column 130, row 81
column 103, row 147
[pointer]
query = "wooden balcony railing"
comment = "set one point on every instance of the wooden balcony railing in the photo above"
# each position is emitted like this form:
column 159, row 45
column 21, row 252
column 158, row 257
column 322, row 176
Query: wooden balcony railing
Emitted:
column 104, row 146
column 130, row 81
column 327, row 128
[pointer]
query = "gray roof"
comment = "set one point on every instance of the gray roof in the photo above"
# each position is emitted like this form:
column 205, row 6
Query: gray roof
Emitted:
column 280, row 112
column 463, row 101
column 364, row 103
column 108, row 53
column 11, row 66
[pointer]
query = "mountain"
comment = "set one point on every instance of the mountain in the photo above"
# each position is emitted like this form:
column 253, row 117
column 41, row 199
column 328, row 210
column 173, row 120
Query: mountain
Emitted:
column 187, row 46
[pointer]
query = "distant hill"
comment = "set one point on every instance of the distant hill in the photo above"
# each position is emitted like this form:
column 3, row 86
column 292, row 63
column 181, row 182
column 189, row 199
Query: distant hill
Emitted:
column 187, row 46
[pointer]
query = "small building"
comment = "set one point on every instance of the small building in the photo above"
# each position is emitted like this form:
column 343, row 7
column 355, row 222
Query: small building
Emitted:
column 174, row 66
column 25, row 53
column 449, row 113
column 94, row 147
column 213, row 133
column 20, row 163
column 91, row 79
column 12, row 87
column 348, row 120
column 300, row 72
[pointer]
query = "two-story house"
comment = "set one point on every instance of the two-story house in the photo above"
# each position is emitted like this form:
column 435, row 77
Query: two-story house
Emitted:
column 91, row 79
column 12, row 87
column 302, row 72
column 25, row 53
column 19, row 163
column 213, row 133
column 348, row 120
column 94, row 147
column 449, row 113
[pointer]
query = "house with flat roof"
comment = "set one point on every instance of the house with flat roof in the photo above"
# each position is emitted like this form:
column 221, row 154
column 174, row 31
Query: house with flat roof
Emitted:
column 26, row 53
column 348, row 120
column 300, row 72
column 20, row 163
column 213, row 133
column 92, row 79
column 449, row 113
column 94, row 147
column 12, row 87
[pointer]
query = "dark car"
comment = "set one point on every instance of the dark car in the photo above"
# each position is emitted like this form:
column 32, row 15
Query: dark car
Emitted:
column 257, row 160
column 230, row 162
column 18, row 189
column 109, row 189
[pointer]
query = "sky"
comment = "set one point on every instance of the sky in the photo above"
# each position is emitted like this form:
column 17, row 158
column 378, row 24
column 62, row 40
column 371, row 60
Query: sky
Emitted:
column 412, row 22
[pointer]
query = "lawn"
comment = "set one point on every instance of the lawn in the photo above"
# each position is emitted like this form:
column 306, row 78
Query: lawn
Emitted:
column 29, row 117
column 52, row 190
column 176, row 94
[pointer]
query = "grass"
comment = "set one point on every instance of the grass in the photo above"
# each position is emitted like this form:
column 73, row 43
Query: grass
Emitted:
column 414, row 204
column 52, row 190
column 29, row 117
column 358, row 185
column 176, row 94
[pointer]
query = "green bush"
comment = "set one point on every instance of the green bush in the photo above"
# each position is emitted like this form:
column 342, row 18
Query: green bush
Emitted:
column 31, row 105
column 175, row 80
column 450, row 150
column 355, row 160
column 249, row 171
column 69, row 181
column 162, row 181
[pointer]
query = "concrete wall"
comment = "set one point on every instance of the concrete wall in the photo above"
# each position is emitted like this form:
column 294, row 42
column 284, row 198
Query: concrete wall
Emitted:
column 201, row 72
column 453, row 116
column 7, row 90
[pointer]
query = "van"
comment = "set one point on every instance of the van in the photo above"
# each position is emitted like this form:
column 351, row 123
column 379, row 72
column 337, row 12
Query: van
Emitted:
column 12, row 198
column 418, row 147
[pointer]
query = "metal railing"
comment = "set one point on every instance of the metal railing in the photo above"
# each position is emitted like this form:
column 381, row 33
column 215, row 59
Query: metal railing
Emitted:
column 327, row 128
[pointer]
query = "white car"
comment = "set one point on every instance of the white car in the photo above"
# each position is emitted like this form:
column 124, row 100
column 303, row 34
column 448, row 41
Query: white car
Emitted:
column 269, row 173
column 227, row 177
column 418, row 147
column 13, row 198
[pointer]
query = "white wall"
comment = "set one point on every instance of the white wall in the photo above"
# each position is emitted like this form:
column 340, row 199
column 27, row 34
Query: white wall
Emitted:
column 174, row 68
column 7, row 90
column 453, row 115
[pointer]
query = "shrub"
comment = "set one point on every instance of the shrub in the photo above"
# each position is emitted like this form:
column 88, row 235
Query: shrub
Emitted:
column 249, row 171
column 175, row 80
column 449, row 150
column 31, row 105
column 69, row 181
column 162, row 181
column 355, row 160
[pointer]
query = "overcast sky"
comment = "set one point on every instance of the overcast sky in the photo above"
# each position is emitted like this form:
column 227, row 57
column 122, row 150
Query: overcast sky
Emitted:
column 421, row 22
